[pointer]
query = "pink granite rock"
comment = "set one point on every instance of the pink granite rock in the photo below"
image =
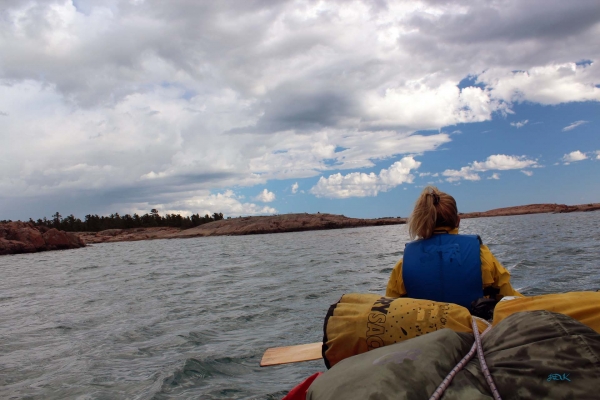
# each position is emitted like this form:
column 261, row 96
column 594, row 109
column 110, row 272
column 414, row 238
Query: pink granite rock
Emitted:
column 28, row 234
column 24, row 237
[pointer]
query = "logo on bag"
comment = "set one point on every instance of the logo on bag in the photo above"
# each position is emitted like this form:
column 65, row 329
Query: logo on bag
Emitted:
column 559, row 377
column 376, row 319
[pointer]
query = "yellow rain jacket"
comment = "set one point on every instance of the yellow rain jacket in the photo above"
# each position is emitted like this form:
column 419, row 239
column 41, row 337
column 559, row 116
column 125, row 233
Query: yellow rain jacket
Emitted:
column 492, row 273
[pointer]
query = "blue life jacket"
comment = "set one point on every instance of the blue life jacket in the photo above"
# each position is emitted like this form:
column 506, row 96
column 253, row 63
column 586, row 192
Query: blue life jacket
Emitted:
column 445, row 268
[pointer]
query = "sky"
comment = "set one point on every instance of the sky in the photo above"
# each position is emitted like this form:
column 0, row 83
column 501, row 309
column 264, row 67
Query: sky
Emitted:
column 257, row 107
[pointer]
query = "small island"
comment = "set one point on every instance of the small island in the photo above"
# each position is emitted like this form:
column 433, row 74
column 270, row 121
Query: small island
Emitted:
column 26, row 237
column 532, row 209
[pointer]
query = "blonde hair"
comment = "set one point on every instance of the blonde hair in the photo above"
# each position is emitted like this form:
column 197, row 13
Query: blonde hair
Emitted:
column 432, row 209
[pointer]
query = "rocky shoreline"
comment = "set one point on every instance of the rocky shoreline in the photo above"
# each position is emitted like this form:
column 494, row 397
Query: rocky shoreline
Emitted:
column 24, row 237
column 533, row 209
column 241, row 226
column 20, row 237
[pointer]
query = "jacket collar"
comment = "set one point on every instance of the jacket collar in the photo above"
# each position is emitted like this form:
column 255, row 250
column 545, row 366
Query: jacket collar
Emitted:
column 446, row 229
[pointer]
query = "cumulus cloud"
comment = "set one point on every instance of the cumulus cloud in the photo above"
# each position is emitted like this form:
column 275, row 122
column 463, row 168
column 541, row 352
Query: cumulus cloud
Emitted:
column 574, row 156
column 574, row 125
column 295, row 187
column 419, row 106
column 526, row 172
column 464, row 173
column 550, row 84
column 360, row 184
column 495, row 175
column 519, row 124
column 203, row 202
column 500, row 162
column 131, row 97
column 597, row 154
column 265, row 196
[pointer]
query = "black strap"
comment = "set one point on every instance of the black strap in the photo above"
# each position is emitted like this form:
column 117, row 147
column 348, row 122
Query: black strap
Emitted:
column 484, row 308
column 491, row 291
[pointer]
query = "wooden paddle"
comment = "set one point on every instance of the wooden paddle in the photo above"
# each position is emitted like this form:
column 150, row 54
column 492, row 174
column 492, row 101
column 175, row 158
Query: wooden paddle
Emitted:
column 291, row 354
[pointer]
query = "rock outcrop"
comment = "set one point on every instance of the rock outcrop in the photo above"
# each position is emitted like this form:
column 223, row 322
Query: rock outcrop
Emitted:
column 23, row 237
column 533, row 209
column 240, row 226
column 127, row 235
column 281, row 223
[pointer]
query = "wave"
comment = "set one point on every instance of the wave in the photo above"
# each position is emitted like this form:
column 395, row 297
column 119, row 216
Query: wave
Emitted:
column 206, row 378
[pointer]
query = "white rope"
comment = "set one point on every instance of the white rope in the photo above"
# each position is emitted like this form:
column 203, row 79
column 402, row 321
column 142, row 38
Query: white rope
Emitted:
column 475, row 348
column 448, row 379
column 484, row 367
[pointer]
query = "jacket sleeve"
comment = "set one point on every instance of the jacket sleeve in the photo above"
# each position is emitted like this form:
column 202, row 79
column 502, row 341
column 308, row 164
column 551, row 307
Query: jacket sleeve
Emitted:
column 494, row 274
column 395, row 286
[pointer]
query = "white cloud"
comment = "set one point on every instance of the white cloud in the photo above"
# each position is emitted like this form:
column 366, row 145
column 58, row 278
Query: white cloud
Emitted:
column 265, row 196
column 503, row 162
column 574, row 156
column 228, row 94
column 418, row 105
column 295, row 187
column 526, row 172
column 500, row 162
column 574, row 125
column 464, row 173
column 549, row 84
column 519, row 124
column 495, row 175
column 359, row 184
column 301, row 156
column 203, row 203
column 597, row 154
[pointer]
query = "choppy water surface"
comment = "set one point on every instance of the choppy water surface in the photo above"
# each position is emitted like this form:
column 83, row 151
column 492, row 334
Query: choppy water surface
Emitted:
column 190, row 318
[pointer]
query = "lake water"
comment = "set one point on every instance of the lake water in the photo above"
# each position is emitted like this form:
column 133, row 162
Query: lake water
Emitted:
column 191, row 318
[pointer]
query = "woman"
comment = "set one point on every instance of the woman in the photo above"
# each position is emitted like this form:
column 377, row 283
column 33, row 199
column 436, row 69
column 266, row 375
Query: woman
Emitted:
column 443, row 265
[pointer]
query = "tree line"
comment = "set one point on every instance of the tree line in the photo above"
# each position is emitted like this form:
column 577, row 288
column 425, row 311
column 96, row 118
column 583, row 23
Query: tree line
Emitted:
column 95, row 223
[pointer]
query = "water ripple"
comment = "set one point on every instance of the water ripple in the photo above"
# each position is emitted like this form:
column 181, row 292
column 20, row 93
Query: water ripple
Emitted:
column 190, row 318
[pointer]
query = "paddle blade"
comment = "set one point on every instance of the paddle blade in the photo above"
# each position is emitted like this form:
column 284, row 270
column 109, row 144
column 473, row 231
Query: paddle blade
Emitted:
column 291, row 354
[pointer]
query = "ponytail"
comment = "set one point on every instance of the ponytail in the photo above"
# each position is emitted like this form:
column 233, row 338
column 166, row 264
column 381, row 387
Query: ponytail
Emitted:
column 432, row 209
